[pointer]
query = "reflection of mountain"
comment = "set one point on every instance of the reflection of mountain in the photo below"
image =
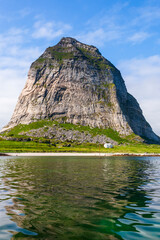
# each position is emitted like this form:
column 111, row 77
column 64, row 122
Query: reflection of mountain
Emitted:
column 73, row 198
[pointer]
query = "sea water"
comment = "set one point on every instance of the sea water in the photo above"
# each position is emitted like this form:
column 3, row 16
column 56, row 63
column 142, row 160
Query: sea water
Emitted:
column 81, row 198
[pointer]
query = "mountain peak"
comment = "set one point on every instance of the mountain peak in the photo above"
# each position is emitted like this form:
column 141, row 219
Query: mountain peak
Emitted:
column 73, row 82
column 72, row 42
column 69, row 40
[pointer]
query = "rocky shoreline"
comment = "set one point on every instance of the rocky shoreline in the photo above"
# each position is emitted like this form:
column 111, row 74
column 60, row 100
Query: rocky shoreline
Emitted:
column 81, row 154
column 4, row 154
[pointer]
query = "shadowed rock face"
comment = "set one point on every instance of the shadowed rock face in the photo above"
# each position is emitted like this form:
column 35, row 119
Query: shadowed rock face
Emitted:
column 73, row 81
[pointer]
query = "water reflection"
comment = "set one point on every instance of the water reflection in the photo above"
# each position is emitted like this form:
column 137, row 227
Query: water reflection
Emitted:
column 135, row 192
column 74, row 198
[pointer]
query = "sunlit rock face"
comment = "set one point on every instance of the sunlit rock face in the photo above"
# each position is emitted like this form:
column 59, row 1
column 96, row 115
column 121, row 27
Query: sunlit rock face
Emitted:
column 73, row 82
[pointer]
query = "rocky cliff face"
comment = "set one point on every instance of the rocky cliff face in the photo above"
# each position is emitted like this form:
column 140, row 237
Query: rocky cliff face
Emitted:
column 73, row 82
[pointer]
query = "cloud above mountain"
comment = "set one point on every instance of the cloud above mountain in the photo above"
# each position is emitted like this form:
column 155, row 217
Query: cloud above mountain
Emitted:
column 142, row 77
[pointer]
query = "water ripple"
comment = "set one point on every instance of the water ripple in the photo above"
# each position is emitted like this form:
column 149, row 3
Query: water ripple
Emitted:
column 80, row 198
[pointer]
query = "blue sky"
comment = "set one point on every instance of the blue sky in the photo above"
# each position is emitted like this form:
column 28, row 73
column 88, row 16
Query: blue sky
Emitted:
column 126, row 32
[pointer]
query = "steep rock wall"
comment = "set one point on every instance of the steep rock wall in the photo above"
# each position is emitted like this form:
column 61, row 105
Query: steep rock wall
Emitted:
column 74, row 82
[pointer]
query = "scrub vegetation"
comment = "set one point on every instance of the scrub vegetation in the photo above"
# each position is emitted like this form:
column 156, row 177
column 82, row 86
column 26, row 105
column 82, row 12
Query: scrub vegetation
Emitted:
column 98, row 62
column 16, row 140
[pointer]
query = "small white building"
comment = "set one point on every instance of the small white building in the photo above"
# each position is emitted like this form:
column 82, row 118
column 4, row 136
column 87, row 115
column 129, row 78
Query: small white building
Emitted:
column 108, row 145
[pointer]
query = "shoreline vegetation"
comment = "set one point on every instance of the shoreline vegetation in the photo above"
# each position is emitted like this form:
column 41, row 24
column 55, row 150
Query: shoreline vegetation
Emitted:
column 37, row 137
column 10, row 147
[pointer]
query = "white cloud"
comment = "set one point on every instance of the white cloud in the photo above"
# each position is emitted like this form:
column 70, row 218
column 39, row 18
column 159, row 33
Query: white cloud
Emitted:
column 50, row 30
column 12, row 37
column 12, row 81
column 7, row 105
column 25, row 12
column 13, row 74
column 15, row 60
column 98, row 37
column 16, row 56
column 147, row 16
column 113, row 25
column 142, row 77
column 138, row 37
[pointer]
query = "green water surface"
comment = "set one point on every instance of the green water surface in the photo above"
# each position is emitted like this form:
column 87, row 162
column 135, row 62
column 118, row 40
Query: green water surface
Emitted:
column 77, row 198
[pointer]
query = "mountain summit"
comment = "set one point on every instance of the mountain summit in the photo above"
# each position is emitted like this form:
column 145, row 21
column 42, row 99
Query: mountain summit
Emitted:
column 74, row 83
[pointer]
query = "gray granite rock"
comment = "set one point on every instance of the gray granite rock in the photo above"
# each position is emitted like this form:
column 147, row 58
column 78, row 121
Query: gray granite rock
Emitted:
column 75, row 82
column 63, row 135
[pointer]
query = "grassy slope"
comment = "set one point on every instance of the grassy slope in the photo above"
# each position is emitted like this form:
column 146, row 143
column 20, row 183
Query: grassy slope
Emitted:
column 13, row 146
column 43, row 145
column 16, row 131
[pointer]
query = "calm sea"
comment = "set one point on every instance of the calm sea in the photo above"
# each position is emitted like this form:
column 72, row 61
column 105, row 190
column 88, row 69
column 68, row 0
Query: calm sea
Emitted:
column 80, row 198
